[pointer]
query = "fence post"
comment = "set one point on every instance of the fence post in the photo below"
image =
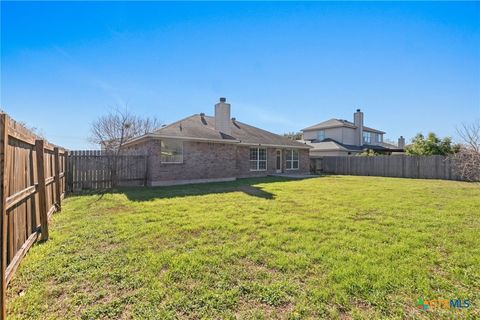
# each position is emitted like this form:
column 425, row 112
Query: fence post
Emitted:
column 4, row 165
column 64, row 166
column 69, row 171
column 42, row 197
column 58, row 191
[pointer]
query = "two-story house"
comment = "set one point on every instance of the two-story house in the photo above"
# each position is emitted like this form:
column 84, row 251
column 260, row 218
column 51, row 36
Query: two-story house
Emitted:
column 337, row 137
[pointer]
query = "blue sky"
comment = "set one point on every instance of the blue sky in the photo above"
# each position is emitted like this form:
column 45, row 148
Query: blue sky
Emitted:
column 283, row 66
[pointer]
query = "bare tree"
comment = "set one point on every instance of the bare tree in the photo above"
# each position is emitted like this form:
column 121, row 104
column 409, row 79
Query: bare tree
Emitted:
column 470, row 135
column 467, row 160
column 293, row 135
column 113, row 130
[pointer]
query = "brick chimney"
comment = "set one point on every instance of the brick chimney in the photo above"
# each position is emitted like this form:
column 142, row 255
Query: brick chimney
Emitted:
column 222, row 117
column 358, row 121
column 401, row 142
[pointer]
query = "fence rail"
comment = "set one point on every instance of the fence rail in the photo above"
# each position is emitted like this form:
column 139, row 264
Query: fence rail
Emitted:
column 421, row 167
column 93, row 169
column 32, row 188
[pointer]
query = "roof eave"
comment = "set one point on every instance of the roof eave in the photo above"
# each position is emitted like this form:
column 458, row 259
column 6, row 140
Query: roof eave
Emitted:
column 374, row 130
column 158, row 136
column 329, row 127
column 305, row 146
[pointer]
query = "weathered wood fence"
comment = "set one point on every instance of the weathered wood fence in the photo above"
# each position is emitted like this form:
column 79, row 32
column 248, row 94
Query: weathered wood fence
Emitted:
column 32, row 187
column 92, row 170
column 421, row 167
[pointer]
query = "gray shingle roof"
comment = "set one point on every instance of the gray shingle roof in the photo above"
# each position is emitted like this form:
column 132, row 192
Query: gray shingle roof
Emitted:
column 335, row 123
column 331, row 144
column 365, row 128
column 203, row 127
column 332, row 123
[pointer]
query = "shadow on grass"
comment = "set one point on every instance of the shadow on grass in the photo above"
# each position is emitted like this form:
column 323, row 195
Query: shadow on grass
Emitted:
column 247, row 186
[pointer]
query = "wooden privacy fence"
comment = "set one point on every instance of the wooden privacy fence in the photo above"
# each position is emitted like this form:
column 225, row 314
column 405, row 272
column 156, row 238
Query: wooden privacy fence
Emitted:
column 92, row 169
column 32, row 187
column 421, row 167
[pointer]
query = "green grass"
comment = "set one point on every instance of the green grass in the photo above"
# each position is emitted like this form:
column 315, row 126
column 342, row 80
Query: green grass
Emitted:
column 329, row 247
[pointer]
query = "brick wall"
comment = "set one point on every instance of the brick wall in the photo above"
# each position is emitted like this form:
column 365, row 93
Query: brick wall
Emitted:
column 202, row 160
column 243, row 163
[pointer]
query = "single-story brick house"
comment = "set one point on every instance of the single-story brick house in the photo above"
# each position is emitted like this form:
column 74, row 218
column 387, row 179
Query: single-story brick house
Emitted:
column 201, row 148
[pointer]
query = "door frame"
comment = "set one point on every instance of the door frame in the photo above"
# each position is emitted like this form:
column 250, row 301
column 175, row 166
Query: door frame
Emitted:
column 277, row 152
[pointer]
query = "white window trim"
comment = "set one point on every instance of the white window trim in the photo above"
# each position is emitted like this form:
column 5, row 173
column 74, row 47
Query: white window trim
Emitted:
column 171, row 162
column 318, row 135
column 258, row 159
column 369, row 135
column 290, row 152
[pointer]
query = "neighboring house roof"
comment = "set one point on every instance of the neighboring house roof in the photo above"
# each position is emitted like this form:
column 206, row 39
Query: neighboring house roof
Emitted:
column 389, row 145
column 336, row 123
column 333, row 145
column 327, row 146
column 200, row 127
column 365, row 128
column 332, row 123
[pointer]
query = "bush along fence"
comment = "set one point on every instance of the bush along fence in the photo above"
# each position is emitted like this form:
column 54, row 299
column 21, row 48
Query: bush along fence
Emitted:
column 32, row 188
column 96, row 170
column 404, row 166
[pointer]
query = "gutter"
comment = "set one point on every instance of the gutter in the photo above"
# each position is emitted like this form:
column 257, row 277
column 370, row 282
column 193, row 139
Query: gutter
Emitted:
column 306, row 146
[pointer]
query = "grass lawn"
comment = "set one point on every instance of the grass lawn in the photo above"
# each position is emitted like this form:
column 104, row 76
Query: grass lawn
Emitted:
column 329, row 247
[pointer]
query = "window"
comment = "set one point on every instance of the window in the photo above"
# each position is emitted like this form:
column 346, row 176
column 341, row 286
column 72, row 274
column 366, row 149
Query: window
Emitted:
column 292, row 159
column 379, row 137
column 171, row 151
column 367, row 137
column 258, row 159
column 321, row 135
